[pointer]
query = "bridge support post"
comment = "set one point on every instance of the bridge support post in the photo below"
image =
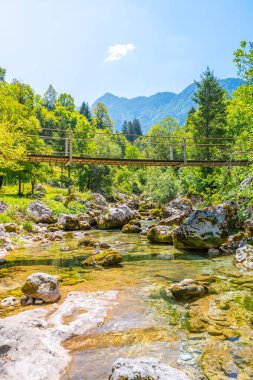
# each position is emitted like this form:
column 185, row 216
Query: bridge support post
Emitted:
column 184, row 149
column 171, row 152
column 66, row 147
column 70, row 146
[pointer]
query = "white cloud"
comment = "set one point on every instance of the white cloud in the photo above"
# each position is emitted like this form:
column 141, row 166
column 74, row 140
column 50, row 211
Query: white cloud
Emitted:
column 118, row 51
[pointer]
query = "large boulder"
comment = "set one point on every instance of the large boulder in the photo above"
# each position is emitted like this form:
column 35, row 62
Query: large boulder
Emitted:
column 40, row 212
column 176, row 218
column 98, row 199
column 202, row 230
column 70, row 222
column 182, row 204
column 187, row 289
column 226, row 213
column 244, row 257
column 114, row 217
column 104, row 258
column 160, row 234
column 144, row 368
column 134, row 226
column 42, row 286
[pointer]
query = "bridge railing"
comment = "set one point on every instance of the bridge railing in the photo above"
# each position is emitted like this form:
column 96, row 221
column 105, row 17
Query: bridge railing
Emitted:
column 147, row 147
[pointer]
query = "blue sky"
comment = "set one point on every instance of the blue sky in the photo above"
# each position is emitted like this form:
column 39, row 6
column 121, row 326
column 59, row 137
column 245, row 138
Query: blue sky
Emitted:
column 126, row 47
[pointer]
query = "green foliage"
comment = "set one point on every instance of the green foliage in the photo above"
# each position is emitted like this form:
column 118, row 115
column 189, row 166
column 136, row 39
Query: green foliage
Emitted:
column 162, row 185
column 49, row 100
column 85, row 111
column 132, row 129
column 210, row 119
column 2, row 74
column 243, row 58
column 102, row 118
column 66, row 101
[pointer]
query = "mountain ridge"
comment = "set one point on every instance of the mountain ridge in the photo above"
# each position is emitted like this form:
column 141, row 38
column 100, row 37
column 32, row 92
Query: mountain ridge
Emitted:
column 152, row 109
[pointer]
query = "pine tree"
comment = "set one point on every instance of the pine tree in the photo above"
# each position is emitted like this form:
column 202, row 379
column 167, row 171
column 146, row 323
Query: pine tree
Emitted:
column 2, row 74
column 124, row 128
column 210, row 118
column 137, row 127
column 50, row 97
column 85, row 111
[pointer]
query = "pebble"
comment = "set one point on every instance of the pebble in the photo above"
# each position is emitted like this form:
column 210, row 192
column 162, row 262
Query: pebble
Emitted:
column 38, row 302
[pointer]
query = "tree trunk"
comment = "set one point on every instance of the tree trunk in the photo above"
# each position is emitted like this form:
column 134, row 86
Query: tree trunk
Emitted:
column 19, row 187
column 33, row 185
column 1, row 181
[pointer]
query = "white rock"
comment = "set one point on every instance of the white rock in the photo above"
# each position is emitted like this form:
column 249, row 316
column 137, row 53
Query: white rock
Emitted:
column 9, row 301
column 35, row 336
column 42, row 286
column 145, row 368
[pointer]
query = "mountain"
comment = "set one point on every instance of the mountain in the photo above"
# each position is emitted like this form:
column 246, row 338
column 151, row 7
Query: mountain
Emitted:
column 152, row 109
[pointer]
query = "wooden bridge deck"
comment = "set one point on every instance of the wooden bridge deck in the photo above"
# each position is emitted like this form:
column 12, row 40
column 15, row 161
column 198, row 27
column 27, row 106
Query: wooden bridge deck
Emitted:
column 134, row 162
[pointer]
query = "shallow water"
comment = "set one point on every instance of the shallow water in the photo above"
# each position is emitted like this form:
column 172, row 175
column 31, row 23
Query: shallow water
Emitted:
column 143, row 322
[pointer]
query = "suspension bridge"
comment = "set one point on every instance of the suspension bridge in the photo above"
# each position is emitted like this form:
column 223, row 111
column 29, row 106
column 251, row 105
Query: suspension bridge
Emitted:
column 102, row 148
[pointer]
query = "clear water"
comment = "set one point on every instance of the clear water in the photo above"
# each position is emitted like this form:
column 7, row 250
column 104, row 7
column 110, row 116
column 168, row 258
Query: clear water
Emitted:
column 144, row 322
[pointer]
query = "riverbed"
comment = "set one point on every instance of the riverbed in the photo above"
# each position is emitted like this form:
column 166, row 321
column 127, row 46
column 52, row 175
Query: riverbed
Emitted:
column 142, row 320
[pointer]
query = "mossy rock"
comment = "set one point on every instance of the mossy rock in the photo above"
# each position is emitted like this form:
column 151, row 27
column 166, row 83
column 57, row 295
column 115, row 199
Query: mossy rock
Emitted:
column 86, row 242
column 106, row 258
column 131, row 228
column 160, row 234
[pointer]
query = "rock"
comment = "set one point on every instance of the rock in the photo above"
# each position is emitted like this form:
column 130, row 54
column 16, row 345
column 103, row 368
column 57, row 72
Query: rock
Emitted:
column 87, row 242
column 55, row 227
column 9, row 301
column 213, row 252
column 226, row 213
column 3, row 206
column 29, row 301
column 53, row 236
column 248, row 226
column 38, row 302
column 84, row 225
column 40, row 212
column 42, row 286
column 98, row 199
column 115, row 217
column 10, row 227
column 40, row 189
column 177, row 218
column 182, row 204
column 70, row 222
column 3, row 262
column 187, row 289
column 246, row 182
column 244, row 257
column 105, row 258
column 132, row 227
column 144, row 368
column 34, row 337
column 202, row 230
column 160, row 234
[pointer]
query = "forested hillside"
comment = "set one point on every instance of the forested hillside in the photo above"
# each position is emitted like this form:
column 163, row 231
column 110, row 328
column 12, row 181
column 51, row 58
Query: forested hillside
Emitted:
column 150, row 110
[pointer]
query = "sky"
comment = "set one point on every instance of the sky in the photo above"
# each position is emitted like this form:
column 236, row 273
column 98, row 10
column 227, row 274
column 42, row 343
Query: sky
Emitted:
column 125, row 47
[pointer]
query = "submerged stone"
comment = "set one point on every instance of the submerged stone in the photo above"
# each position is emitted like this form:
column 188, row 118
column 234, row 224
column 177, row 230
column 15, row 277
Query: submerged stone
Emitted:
column 186, row 289
column 105, row 258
